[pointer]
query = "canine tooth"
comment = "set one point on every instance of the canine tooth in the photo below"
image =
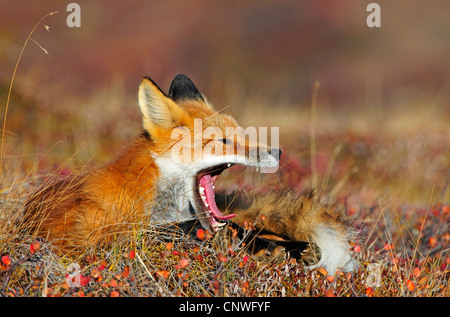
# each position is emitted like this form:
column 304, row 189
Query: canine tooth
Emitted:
column 217, row 226
column 229, row 164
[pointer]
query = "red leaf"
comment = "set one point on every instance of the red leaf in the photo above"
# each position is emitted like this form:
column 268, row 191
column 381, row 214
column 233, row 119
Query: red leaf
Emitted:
column 201, row 234
column 126, row 271
column 35, row 247
column 432, row 241
column 410, row 285
column 6, row 260
column 445, row 209
column 164, row 274
column 323, row 271
column 132, row 254
column 369, row 292
column 103, row 265
column 388, row 246
column 84, row 280
column 95, row 273
column 184, row 263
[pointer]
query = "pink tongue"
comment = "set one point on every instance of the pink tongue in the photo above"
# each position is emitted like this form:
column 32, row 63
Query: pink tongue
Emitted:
column 206, row 182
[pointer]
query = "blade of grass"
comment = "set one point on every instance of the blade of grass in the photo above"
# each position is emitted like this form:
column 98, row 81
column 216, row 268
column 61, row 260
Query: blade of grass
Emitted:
column 12, row 83
column 162, row 290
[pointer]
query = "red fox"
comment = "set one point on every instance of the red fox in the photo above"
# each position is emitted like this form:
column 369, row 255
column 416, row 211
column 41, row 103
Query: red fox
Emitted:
column 167, row 175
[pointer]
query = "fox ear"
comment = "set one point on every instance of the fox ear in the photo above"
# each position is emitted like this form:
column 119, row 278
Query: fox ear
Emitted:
column 157, row 109
column 183, row 88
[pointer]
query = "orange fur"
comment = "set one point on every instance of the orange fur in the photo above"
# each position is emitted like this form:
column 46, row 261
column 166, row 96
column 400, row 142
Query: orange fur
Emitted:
column 79, row 211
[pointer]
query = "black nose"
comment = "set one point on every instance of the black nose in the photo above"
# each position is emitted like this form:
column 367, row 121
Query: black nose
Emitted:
column 276, row 153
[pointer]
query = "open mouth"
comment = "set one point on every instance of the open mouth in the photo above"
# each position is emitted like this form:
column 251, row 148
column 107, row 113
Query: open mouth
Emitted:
column 205, row 187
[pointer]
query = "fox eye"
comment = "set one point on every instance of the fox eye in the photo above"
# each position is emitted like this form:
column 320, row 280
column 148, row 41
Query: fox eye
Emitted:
column 226, row 141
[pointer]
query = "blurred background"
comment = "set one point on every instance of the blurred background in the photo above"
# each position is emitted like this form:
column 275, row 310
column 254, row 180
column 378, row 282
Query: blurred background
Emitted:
column 276, row 48
column 259, row 59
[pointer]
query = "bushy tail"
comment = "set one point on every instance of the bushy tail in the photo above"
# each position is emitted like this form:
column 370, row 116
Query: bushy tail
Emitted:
column 293, row 216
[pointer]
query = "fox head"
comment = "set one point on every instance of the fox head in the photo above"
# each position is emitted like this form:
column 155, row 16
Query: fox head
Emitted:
column 192, row 144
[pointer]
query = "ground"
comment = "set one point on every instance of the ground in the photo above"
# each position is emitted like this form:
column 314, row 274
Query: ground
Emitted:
column 387, row 168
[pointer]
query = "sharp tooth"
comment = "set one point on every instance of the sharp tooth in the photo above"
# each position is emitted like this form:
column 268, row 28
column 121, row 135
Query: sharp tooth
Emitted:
column 213, row 187
column 201, row 190
column 218, row 225
column 229, row 164
column 206, row 204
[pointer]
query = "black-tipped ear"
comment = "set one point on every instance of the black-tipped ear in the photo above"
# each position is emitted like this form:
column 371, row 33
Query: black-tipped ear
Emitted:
column 183, row 88
column 157, row 109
